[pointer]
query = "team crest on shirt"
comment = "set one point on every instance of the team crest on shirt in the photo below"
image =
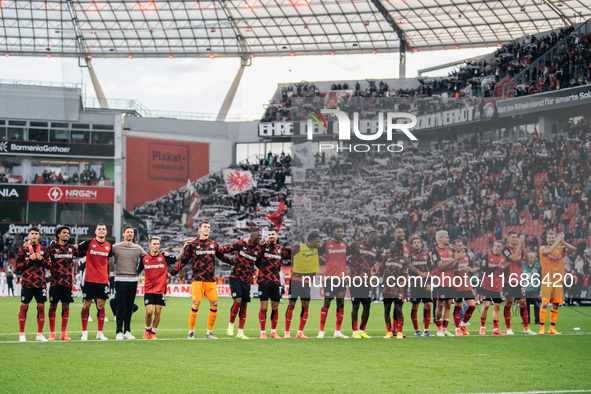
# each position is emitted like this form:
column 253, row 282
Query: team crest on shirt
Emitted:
column 106, row 248
column 211, row 246
column 70, row 250
column 159, row 258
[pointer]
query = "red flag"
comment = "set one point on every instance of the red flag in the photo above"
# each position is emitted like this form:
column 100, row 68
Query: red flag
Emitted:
column 277, row 217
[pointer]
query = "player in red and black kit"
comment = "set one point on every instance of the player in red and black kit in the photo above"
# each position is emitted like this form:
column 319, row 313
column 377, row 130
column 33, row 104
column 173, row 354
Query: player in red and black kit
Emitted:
column 248, row 253
column 393, row 268
column 464, row 290
column 364, row 255
column 32, row 261
column 419, row 271
column 61, row 260
column 400, row 235
column 269, row 281
column 334, row 253
column 492, row 268
column 155, row 266
column 201, row 253
column 96, row 283
column 442, row 257
column 514, row 252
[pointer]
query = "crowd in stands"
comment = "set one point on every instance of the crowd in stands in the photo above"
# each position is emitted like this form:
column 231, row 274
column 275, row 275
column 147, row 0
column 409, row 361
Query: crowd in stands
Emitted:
column 569, row 65
column 87, row 177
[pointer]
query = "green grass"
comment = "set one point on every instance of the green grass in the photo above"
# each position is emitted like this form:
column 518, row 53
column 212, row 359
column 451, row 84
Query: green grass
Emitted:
column 467, row 364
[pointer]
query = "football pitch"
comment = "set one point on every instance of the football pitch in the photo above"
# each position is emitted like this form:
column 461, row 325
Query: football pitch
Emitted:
column 175, row 364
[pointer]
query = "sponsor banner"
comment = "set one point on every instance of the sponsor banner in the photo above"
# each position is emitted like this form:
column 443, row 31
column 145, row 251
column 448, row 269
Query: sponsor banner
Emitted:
column 155, row 167
column 168, row 161
column 77, row 194
column 55, row 148
column 49, row 229
column 544, row 101
column 13, row 193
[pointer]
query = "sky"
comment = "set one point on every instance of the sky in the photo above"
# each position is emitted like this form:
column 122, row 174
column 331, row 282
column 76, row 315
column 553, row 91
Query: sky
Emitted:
column 200, row 85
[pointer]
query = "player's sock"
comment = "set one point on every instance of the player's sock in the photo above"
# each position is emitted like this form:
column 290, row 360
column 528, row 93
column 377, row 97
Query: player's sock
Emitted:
column 148, row 329
column 101, row 320
column 543, row 316
column 22, row 318
column 457, row 316
column 40, row 318
column 553, row 318
column 240, row 330
column 51, row 315
column 213, row 314
column 467, row 315
column 354, row 325
column 507, row 313
column 415, row 319
column 400, row 323
column 482, row 322
column 340, row 314
column 303, row 318
column 65, row 317
column 524, row 318
column 445, row 324
column 388, row 326
column 262, row 319
column 84, row 316
column 427, row 322
column 154, row 329
column 439, row 324
column 193, row 318
column 288, row 316
column 495, row 325
column 362, row 326
column 323, row 315
column 234, row 312
column 274, row 320
column 242, row 318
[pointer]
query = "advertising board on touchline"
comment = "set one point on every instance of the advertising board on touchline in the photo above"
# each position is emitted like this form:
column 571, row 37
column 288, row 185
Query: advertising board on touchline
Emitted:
column 391, row 124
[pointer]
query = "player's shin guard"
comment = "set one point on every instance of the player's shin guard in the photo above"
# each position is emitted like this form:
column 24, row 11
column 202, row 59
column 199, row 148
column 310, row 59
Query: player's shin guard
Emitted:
column 40, row 318
column 323, row 315
column 445, row 324
column 427, row 320
column 303, row 318
column 388, row 326
column 263, row 318
column 274, row 319
column 288, row 316
column 340, row 314
column 242, row 319
column 101, row 320
column 51, row 315
column 65, row 317
column 354, row 325
column 362, row 325
column 400, row 323
column 234, row 312
column 553, row 318
column 482, row 322
column 507, row 314
column 213, row 314
column 415, row 319
column 84, row 316
column 468, row 314
column 457, row 316
column 22, row 318
column 495, row 325
column 543, row 316
column 193, row 318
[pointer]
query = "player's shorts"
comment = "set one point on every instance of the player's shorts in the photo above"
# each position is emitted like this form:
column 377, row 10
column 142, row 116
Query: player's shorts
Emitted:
column 361, row 300
column 207, row 289
column 418, row 300
column 60, row 294
column 395, row 300
column 155, row 299
column 91, row 290
column 515, row 292
column 240, row 290
column 490, row 295
column 299, row 289
column 466, row 295
column 420, row 293
column 331, row 291
column 39, row 293
column 446, row 293
column 555, row 295
column 269, row 290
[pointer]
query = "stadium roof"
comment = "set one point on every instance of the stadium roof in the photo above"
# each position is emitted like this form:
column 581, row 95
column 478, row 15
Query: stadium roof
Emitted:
column 242, row 28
